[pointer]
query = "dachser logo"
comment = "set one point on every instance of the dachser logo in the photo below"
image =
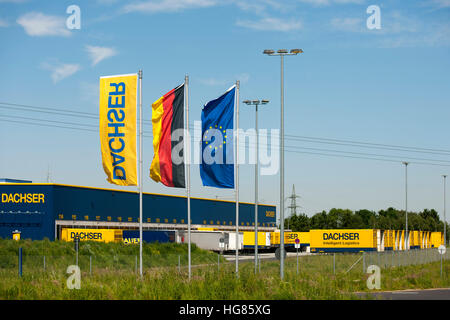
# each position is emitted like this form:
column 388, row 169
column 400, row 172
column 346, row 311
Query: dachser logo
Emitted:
column 341, row 236
column 23, row 198
column 270, row 214
column 86, row 235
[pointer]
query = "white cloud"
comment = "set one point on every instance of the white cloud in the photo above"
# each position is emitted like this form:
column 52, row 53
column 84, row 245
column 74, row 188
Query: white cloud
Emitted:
column 261, row 6
column 441, row 3
column 349, row 1
column 348, row 24
column 329, row 2
column 168, row 5
column 98, row 54
column 399, row 23
column 271, row 24
column 60, row 71
column 213, row 82
column 392, row 23
column 13, row 1
column 39, row 24
column 107, row 2
column 435, row 36
column 158, row 6
column 317, row 2
column 255, row 7
column 243, row 77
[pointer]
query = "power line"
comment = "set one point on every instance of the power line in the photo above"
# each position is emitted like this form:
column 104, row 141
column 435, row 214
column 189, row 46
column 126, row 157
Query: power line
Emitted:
column 250, row 144
column 287, row 150
column 48, row 108
column 350, row 143
column 293, row 137
column 372, row 154
column 367, row 145
column 46, row 120
column 48, row 125
column 50, row 112
column 367, row 158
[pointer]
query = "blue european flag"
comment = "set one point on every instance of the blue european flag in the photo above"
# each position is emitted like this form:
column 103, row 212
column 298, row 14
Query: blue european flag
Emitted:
column 217, row 165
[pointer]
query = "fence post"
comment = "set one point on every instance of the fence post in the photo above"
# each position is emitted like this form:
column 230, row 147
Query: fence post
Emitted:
column 334, row 263
column 379, row 262
column 20, row 262
column 135, row 264
column 44, row 263
column 179, row 263
column 218, row 263
column 364, row 262
column 90, row 265
column 392, row 262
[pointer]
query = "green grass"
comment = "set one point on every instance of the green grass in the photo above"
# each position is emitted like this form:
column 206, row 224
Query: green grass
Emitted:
column 114, row 256
column 162, row 279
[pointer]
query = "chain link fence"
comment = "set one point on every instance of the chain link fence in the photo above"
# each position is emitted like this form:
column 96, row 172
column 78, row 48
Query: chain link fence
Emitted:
column 329, row 263
column 116, row 262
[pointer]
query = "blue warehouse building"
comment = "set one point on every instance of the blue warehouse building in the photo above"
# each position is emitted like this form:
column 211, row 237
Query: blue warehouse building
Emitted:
column 41, row 210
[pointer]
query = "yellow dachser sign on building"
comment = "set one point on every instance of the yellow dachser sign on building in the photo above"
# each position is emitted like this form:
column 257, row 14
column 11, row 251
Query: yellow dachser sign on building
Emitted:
column 118, row 128
column 23, row 198
column 100, row 235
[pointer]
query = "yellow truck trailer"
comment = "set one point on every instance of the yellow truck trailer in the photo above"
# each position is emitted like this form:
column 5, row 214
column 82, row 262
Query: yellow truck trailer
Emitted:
column 344, row 240
column 429, row 239
column 437, row 239
column 415, row 240
column 289, row 239
column 389, row 240
column 401, row 240
column 263, row 240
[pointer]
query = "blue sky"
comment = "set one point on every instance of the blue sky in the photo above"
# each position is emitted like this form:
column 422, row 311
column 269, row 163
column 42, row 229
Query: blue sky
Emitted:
column 388, row 86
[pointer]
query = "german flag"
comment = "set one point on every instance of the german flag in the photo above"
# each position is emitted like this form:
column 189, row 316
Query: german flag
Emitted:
column 168, row 116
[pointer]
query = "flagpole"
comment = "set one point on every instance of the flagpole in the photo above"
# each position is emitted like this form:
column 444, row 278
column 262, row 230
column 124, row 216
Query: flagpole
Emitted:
column 187, row 159
column 237, row 178
column 140, row 173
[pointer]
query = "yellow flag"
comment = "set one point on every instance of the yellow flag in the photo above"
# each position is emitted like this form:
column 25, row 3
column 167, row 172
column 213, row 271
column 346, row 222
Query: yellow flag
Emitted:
column 118, row 128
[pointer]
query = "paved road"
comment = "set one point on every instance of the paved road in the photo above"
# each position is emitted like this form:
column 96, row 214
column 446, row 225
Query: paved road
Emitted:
column 429, row 294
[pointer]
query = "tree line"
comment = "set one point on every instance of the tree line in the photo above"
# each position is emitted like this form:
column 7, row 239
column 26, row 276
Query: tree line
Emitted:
column 389, row 219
